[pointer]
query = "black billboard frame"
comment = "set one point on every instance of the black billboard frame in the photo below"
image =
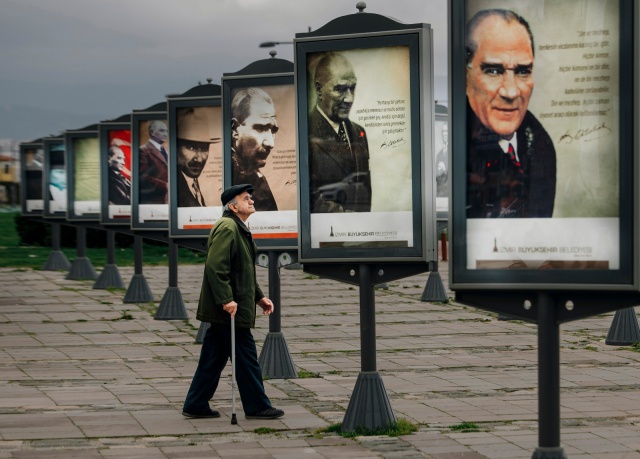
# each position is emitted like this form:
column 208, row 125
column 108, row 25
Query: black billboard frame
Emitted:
column 156, row 112
column 627, row 278
column 417, row 37
column 263, row 73
column 32, row 146
column 88, row 132
column 203, row 95
column 122, row 123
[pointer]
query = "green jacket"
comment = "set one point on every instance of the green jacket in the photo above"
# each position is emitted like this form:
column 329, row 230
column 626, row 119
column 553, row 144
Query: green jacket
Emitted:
column 229, row 274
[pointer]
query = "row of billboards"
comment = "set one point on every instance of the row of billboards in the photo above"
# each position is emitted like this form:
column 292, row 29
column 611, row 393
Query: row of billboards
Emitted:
column 362, row 195
column 543, row 184
column 160, row 168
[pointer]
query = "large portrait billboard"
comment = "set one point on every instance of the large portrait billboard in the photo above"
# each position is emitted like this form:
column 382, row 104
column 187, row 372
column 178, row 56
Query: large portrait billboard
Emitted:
column 83, row 173
column 365, row 116
column 260, row 149
column 150, row 168
column 55, row 178
column 196, row 168
column 547, row 193
column 115, row 164
column 31, row 161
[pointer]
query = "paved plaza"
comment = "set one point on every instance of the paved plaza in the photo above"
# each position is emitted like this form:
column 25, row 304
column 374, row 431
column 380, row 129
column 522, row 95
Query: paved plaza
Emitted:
column 84, row 375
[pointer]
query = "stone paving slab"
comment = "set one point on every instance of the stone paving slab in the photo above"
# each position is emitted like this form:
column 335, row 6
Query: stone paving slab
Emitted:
column 84, row 375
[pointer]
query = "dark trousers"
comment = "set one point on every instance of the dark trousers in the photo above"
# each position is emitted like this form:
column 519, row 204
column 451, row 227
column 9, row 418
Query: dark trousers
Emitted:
column 214, row 355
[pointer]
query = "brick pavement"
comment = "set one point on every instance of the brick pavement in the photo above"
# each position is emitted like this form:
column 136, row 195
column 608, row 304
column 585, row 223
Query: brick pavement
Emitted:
column 84, row 375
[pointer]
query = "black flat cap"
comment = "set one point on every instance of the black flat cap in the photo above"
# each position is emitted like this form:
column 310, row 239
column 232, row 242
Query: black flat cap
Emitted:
column 233, row 191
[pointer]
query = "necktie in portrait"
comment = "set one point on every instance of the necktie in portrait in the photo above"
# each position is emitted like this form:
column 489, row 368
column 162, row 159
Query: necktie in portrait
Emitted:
column 512, row 155
column 197, row 193
column 343, row 134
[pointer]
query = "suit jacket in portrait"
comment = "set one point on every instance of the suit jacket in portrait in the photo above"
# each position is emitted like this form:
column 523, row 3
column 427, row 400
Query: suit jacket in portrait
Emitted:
column 154, row 175
column 185, row 195
column 498, row 188
column 119, row 188
column 442, row 177
column 262, row 196
column 330, row 161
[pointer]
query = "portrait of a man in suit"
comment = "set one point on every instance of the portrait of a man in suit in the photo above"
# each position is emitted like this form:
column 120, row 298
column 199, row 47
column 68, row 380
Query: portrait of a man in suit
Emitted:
column 119, row 185
column 511, row 162
column 153, row 162
column 340, row 179
column 194, row 137
column 253, row 133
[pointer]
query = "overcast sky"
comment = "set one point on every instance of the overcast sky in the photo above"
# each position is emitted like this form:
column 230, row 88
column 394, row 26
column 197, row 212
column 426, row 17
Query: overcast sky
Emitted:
column 100, row 59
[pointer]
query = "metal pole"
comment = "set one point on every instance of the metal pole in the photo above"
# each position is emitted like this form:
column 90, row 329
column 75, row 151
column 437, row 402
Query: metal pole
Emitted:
column 367, row 319
column 81, row 241
column 57, row 259
column 548, row 380
column 137, row 253
column 369, row 405
column 173, row 263
column 111, row 247
column 275, row 319
column 55, row 236
column 275, row 360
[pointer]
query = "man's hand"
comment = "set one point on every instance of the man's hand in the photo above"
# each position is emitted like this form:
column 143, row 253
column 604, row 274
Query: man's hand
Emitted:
column 231, row 307
column 267, row 305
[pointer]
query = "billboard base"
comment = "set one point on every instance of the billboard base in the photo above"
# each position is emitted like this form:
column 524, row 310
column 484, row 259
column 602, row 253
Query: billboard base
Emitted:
column 434, row 290
column 138, row 291
column 275, row 359
column 624, row 329
column 172, row 306
column 109, row 277
column 57, row 261
column 81, row 268
column 369, row 406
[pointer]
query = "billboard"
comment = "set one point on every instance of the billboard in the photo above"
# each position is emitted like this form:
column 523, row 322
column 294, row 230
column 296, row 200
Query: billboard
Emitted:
column 544, row 190
column 150, row 168
column 115, row 167
column 32, row 164
column 259, row 147
column 195, row 170
column 83, row 173
column 366, row 157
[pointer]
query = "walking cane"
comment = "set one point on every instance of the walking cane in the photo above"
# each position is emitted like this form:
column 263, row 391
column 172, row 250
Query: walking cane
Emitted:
column 233, row 371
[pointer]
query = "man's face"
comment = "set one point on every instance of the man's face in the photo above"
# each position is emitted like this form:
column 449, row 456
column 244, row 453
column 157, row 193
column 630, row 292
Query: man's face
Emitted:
column 159, row 132
column 445, row 133
column 244, row 205
column 499, row 77
column 335, row 96
column 192, row 156
column 255, row 138
column 116, row 160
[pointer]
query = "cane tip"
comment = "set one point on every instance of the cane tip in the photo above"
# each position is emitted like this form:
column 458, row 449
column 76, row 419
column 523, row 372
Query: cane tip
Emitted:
column 234, row 420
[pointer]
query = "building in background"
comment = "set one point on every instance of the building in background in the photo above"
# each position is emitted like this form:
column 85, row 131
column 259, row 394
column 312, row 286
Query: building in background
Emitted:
column 9, row 172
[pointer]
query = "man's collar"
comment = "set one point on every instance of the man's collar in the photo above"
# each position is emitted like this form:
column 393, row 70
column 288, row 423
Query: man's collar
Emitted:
column 334, row 125
column 231, row 214
column 504, row 143
column 155, row 144
column 189, row 181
